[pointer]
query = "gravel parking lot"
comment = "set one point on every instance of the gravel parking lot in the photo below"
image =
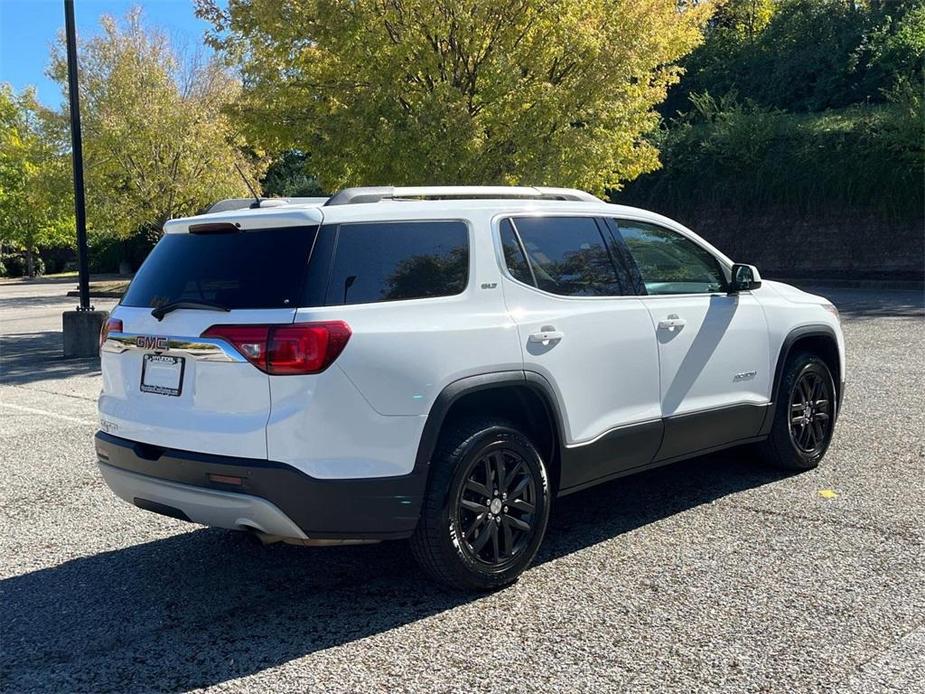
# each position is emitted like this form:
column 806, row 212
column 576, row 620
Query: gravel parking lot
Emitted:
column 714, row 574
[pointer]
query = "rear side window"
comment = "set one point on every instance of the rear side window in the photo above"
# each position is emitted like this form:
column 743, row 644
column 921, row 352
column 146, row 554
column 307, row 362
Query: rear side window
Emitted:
column 242, row 269
column 569, row 256
column 390, row 261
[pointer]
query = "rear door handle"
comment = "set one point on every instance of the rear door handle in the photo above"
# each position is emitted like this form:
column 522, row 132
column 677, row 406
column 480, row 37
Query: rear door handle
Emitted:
column 672, row 323
column 546, row 334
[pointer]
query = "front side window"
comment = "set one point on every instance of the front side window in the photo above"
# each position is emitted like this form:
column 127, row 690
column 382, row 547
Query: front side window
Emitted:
column 568, row 256
column 669, row 262
column 390, row 261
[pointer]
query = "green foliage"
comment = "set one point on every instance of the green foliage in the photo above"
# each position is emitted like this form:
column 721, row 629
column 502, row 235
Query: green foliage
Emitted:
column 108, row 251
column 156, row 141
column 737, row 156
column 17, row 265
column 458, row 91
column 289, row 177
column 34, row 201
column 895, row 49
column 797, row 106
column 806, row 55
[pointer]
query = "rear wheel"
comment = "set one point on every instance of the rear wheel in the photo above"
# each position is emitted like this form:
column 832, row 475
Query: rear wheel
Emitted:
column 486, row 508
column 804, row 418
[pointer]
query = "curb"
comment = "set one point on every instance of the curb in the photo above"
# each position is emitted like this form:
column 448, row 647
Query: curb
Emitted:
column 98, row 295
column 906, row 285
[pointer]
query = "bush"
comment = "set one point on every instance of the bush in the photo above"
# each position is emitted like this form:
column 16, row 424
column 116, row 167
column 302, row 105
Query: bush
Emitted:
column 57, row 258
column 743, row 157
column 107, row 252
column 104, row 253
column 14, row 264
column 289, row 176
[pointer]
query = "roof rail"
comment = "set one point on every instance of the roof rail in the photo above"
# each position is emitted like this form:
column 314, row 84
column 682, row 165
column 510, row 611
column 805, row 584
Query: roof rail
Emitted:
column 248, row 203
column 354, row 196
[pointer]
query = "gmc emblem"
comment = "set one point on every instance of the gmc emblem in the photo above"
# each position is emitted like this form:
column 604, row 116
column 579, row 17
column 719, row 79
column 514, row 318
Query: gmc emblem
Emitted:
column 151, row 342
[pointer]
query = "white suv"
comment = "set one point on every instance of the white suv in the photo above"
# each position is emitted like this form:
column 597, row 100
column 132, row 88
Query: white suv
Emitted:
column 440, row 363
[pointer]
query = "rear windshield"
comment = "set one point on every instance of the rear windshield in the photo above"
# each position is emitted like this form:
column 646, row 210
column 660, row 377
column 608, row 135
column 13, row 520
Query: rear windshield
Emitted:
column 247, row 269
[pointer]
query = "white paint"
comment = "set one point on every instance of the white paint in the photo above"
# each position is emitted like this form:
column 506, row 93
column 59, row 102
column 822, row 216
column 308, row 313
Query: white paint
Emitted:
column 606, row 359
column 47, row 413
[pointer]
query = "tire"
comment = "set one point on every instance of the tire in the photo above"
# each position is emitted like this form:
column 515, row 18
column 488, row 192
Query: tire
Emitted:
column 804, row 418
column 486, row 507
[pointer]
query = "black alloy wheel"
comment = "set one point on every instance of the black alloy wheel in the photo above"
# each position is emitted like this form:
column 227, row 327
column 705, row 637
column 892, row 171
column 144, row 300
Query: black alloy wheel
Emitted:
column 811, row 412
column 495, row 507
column 485, row 510
column 805, row 415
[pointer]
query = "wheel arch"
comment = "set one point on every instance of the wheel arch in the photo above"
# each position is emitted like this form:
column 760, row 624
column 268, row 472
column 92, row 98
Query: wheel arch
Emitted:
column 820, row 339
column 523, row 397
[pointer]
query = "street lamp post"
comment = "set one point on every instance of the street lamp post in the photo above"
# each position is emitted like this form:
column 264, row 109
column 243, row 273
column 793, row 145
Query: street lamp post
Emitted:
column 82, row 326
column 80, row 210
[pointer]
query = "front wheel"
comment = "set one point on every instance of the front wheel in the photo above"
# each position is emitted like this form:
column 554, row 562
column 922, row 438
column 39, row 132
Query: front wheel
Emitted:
column 486, row 508
column 804, row 418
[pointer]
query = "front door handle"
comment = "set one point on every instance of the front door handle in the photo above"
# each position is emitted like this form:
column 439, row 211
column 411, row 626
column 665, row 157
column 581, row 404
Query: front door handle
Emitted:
column 672, row 323
column 546, row 334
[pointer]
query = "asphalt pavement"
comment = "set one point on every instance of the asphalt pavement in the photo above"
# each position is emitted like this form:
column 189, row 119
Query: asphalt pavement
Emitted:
column 715, row 574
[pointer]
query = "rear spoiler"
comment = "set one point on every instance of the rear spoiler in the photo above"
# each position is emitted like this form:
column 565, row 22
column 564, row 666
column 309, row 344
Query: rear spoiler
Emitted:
column 249, row 203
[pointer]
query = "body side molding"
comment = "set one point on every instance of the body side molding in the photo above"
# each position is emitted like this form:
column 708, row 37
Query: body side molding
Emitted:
column 688, row 434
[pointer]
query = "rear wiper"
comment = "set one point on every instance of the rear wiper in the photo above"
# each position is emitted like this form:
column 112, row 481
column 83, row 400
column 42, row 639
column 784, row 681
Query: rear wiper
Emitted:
column 162, row 311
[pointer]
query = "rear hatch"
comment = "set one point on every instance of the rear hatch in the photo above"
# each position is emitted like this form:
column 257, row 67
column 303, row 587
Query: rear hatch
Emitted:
column 164, row 382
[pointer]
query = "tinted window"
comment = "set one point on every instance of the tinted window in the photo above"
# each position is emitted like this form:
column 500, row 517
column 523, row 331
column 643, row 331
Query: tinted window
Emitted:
column 244, row 269
column 514, row 256
column 388, row 261
column 569, row 256
column 669, row 262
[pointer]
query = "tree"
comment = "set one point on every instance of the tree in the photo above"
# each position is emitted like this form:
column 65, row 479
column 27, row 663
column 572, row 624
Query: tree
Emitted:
column 156, row 141
column 458, row 91
column 34, row 197
column 806, row 55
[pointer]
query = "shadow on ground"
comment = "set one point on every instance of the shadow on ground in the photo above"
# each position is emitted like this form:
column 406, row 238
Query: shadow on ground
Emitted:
column 31, row 357
column 207, row 606
column 9, row 303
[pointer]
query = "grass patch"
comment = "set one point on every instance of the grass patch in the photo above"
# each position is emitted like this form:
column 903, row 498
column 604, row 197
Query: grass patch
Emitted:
column 109, row 289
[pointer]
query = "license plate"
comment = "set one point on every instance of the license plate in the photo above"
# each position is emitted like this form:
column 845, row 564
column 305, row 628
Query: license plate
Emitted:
column 162, row 374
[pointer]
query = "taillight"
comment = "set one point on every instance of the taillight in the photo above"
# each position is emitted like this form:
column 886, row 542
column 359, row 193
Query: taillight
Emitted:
column 306, row 348
column 298, row 348
column 249, row 340
column 110, row 325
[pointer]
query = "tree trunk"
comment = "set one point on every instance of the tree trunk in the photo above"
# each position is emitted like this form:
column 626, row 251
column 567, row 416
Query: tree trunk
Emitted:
column 30, row 263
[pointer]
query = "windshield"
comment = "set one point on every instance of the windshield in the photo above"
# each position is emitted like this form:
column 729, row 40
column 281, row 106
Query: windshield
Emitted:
column 244, row 269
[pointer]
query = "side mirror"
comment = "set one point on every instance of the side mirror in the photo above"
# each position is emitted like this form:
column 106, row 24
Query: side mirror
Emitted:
column 744, row 278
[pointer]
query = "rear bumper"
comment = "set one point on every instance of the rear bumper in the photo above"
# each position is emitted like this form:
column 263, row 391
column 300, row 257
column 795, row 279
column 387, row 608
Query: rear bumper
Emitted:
column 206, row 506
column 273, row 497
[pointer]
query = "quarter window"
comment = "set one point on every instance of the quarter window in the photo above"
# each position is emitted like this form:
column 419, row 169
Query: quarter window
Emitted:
column 669, row 262
column 567, row 255
column 513, row 254
column 389, row 261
